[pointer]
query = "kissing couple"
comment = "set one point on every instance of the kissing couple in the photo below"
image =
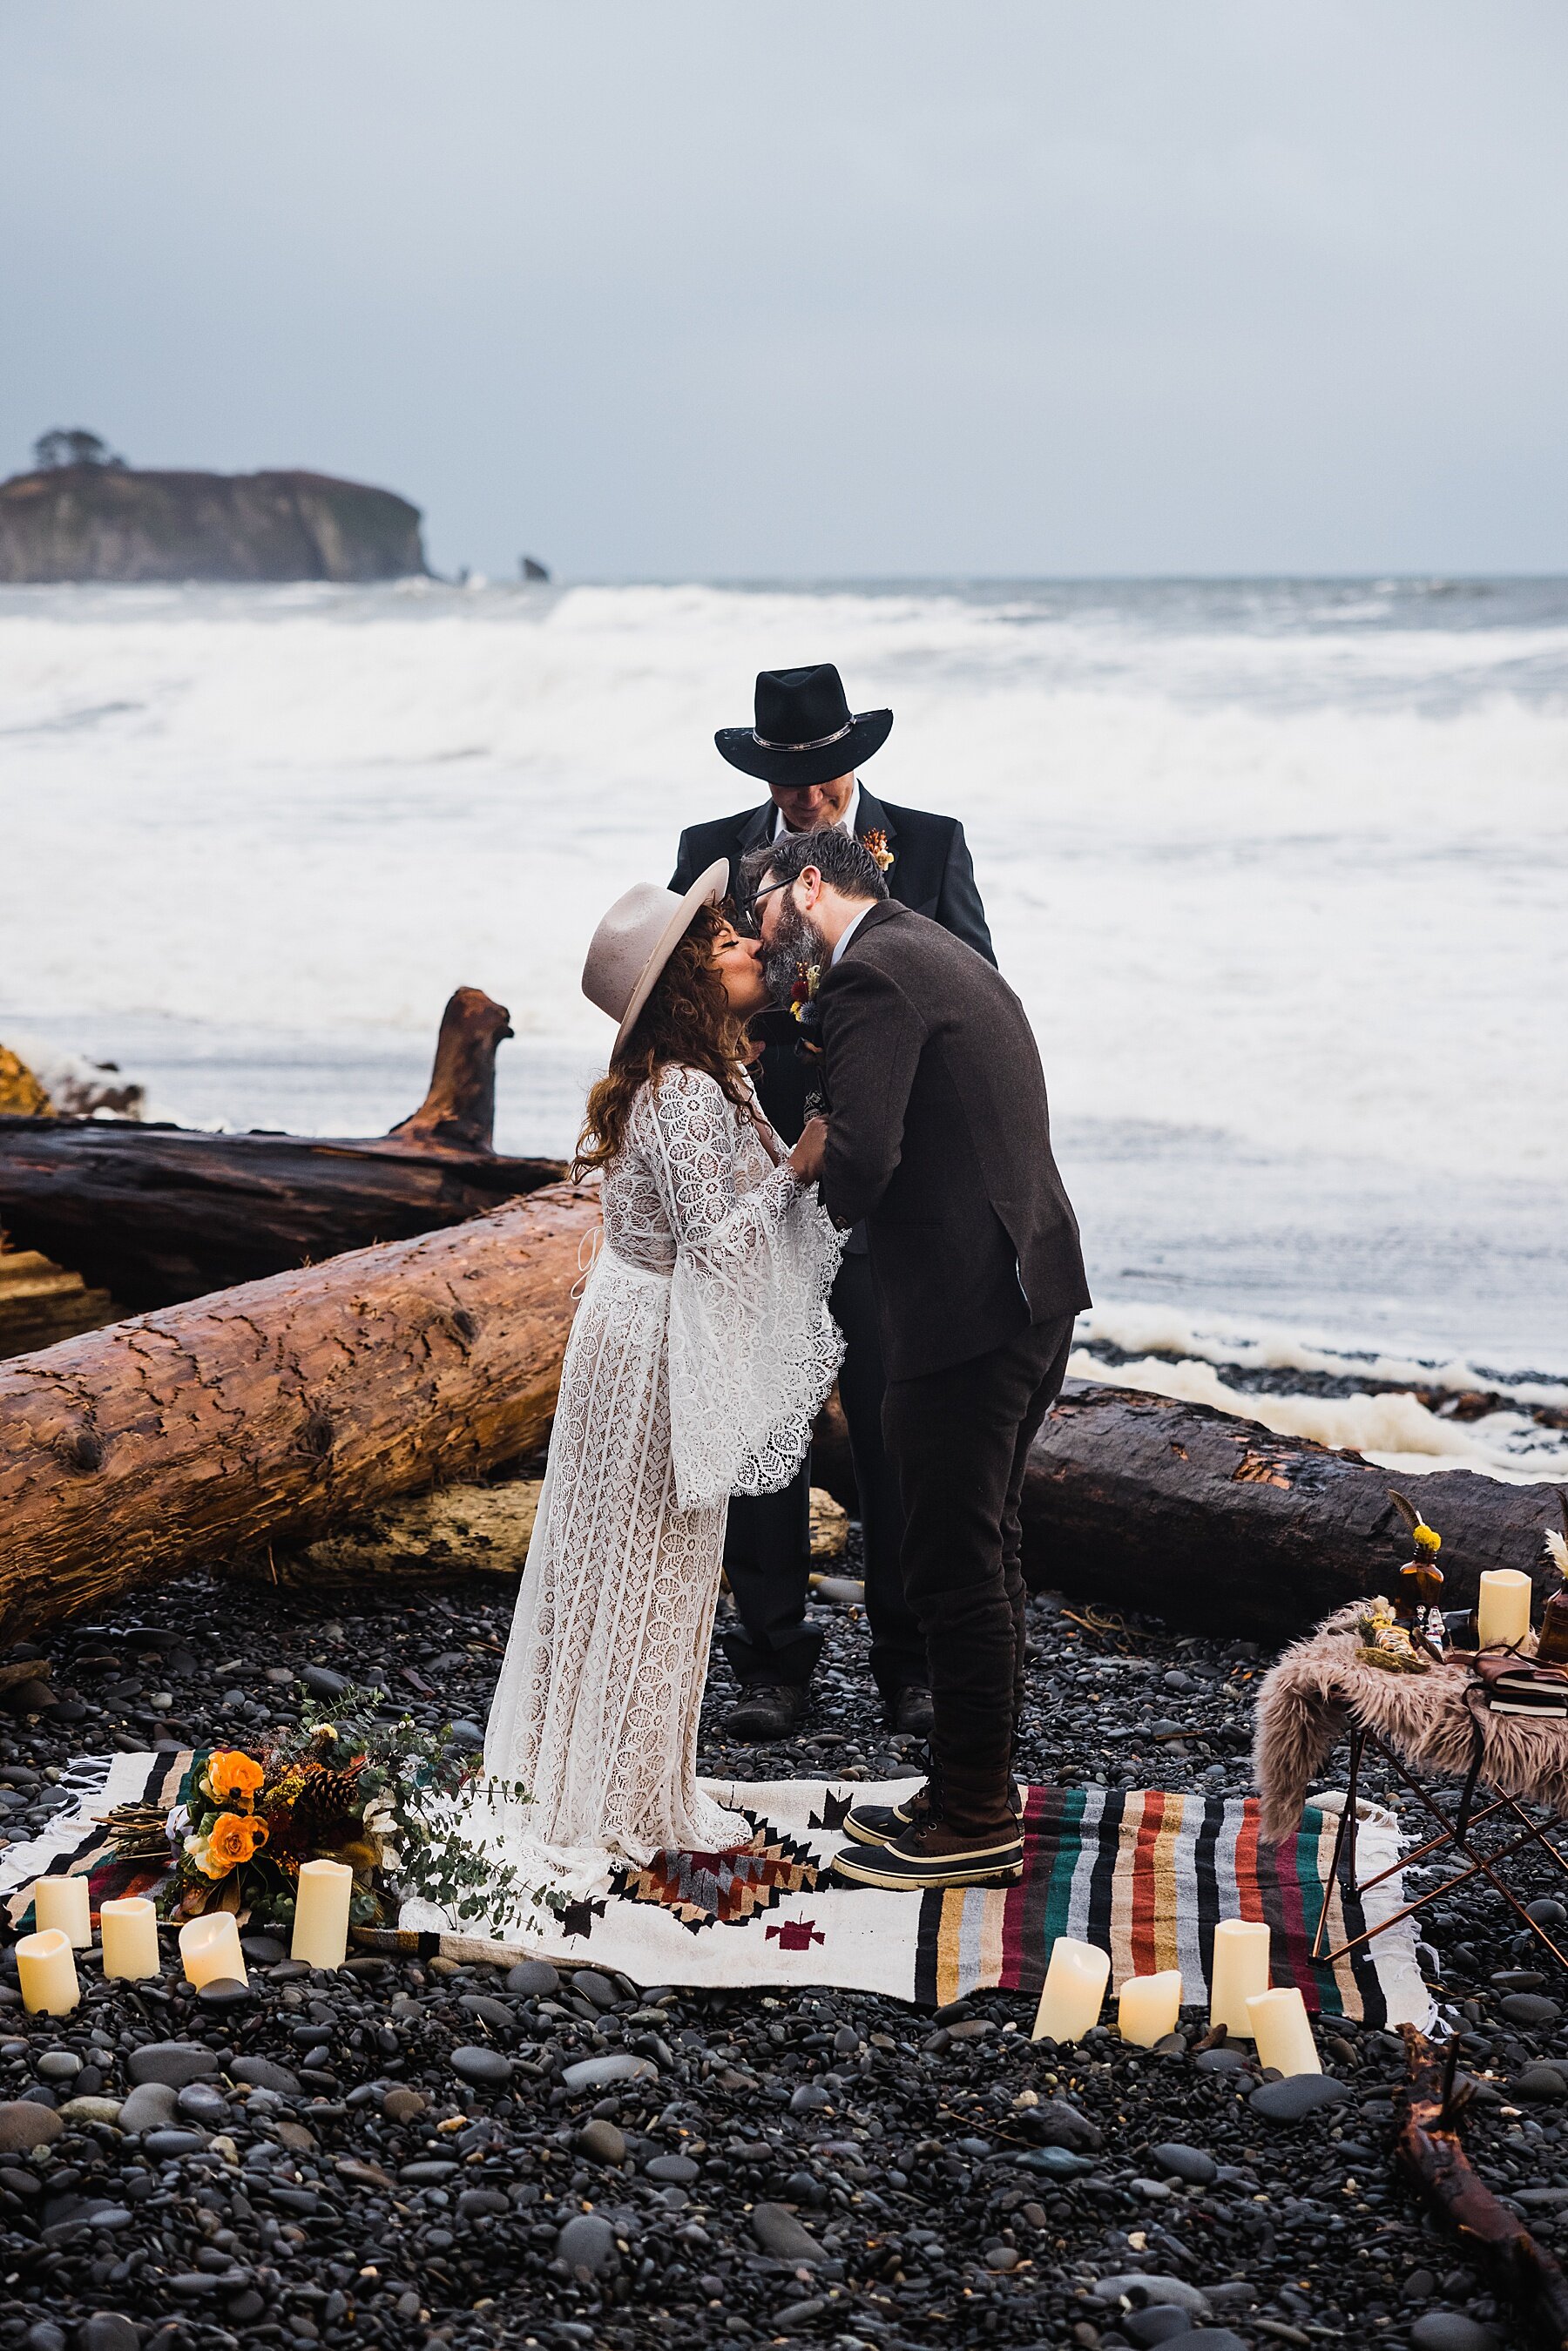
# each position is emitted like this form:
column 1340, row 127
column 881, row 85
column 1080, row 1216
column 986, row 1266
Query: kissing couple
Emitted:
column 703, row 1349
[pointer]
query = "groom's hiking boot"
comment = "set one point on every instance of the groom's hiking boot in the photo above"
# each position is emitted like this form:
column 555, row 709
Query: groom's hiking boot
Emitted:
column 909, row 1711
column 882, row 1823
column 930, row 1855
column 768, row 1711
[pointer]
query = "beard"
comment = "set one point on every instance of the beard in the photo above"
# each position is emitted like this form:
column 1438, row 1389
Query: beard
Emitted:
column 796, row 942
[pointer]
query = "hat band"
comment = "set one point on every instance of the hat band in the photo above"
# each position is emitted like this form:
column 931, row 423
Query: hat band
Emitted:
column 821, row 744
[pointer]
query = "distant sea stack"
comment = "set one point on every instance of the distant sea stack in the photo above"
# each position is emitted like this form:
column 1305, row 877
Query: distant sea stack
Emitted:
column 110, row 522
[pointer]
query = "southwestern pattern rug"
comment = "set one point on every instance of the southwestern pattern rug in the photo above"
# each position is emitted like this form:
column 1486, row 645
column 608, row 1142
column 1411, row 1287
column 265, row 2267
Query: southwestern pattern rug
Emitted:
column 1143, row 1874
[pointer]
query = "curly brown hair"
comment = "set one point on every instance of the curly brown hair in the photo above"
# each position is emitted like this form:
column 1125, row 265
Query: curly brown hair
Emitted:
column 686, row 1021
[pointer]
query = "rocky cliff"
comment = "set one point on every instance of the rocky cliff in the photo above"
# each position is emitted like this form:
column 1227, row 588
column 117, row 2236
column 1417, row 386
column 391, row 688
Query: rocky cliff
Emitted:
column 111, row 522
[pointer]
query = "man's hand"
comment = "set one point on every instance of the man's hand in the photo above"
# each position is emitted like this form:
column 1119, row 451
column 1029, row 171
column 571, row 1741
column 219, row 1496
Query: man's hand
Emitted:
column 809, row 1154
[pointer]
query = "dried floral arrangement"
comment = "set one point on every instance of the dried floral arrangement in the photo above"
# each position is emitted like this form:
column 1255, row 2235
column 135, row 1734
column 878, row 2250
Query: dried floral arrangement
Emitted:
column 383, row 1796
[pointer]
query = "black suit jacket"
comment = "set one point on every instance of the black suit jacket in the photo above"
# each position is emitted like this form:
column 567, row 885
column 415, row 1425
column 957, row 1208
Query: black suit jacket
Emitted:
column 932, row 872
column 939, row 1138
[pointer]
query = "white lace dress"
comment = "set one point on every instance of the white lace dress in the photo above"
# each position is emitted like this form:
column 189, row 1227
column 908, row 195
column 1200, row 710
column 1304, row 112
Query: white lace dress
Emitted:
column 701, row 1354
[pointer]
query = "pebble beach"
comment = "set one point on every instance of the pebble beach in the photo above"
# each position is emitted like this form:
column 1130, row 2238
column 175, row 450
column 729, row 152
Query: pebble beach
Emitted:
column 414, row 2152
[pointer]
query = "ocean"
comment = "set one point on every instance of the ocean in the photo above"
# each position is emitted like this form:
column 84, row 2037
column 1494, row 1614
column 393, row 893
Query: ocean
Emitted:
column 1277, row 867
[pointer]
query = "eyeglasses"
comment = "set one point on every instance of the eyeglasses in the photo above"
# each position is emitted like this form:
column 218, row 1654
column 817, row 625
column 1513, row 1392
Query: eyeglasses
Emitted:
column 757, row 896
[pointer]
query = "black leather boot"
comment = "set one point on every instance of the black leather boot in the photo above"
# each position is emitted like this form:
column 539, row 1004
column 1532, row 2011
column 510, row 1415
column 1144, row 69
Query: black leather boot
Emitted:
column 768, row 1711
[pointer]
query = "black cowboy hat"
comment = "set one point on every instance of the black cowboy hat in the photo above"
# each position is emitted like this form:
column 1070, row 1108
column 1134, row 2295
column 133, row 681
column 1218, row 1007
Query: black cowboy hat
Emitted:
column 804, row 732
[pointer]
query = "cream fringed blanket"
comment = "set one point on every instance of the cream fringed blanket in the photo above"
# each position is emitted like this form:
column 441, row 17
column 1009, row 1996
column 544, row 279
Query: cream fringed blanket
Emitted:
column 1308, row 1699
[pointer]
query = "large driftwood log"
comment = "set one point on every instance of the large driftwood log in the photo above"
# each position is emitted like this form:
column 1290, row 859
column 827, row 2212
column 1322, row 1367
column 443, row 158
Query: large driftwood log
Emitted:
column 1216, row 1525
column 1429, row 2150
column 282, row 1408
column 158, row 1214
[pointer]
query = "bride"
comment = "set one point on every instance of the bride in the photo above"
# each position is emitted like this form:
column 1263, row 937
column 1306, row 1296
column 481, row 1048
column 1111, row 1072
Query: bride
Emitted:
column 701, row 1354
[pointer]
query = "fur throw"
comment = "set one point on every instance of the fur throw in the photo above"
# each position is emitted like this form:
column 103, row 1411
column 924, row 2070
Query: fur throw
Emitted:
column 1307, row 1699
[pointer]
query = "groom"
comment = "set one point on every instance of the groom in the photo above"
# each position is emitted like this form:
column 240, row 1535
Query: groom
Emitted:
column 937, row 1137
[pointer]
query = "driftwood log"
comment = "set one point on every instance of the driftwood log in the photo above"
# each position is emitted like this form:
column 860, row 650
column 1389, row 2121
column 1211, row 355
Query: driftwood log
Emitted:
column 1428, row 2148
column 1218, row 1525
column 157, row 1215
column 282, row 1408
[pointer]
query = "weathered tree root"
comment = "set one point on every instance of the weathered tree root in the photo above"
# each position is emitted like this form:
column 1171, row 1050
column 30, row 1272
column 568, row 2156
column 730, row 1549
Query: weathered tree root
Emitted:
column 1428, row 2147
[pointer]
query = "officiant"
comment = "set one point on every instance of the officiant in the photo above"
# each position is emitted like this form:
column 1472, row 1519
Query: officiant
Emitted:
column 807, row 748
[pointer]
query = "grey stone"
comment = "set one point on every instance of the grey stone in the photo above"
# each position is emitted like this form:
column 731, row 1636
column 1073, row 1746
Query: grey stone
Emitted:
column 1525, row 2008
column 1208, row 2338
column 1297, row 2095
column 778, row 2232
column 152, row 2106
column 1419, row 2287
column 596, row 1988
column 1538, row 2085
column 587, row 2243
column 322, row 1682
column 427, row 2174
column 108, row 2330
column 224, row 1991
column 597, row 2073
column 23, row 2126
column 45, row 2336
column 809, row 2098
column 797, row 2317
column 485, row 2067
column 403, row 2104
column 1054, row 2162
column 59, row 2065
column 1156, row 2325
column 472, row 1731
column 679, row 2170
column 492, row 2012
column 262, row 2073
column 174, row 2062
column 1450, row 2330
column 161, row 2144
column 200, row 2103
column 1153, row 2288
column 481, row 2204
column 90, row 2110
column 602, row 2142
column 1190, row 2163
column 1060, row 2124
column 533, row 1977
column 1224, row 2060
column 1003, row 2257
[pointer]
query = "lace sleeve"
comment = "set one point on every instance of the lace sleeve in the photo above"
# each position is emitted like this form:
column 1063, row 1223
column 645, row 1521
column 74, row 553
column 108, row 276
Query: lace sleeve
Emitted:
column 753, row 1349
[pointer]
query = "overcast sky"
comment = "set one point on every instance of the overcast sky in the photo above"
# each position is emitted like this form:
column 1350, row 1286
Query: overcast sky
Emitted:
column 836, row 287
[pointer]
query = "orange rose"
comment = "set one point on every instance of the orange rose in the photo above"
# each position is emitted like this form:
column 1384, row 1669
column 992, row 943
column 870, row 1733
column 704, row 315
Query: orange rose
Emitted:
column 232, row 1841
column 232, row 1773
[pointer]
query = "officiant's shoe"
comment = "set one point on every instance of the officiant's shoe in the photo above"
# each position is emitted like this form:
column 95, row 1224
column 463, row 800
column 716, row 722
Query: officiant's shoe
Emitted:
column 931, row 1856
column 769, row 1712
column 881, row 1824
column 909, row 1711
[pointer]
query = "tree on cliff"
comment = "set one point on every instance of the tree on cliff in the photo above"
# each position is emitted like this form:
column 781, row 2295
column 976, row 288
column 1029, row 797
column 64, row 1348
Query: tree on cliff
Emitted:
column 72, row 446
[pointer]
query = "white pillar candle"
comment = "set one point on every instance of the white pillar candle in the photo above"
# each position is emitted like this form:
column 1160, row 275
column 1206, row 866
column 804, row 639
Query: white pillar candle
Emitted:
column 1073, row 1988
column 1281, row 2029
column 1502, row 1612
column 46, row 1969
column 129, row 1932
column 210, row 1951
column 1241, row 1969
column 1148, row 2007
column 321, row 1913
column 65, row 1902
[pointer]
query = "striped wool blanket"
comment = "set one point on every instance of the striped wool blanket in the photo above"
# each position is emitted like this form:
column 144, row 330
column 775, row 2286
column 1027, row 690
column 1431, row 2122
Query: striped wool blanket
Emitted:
column 1143, row 1874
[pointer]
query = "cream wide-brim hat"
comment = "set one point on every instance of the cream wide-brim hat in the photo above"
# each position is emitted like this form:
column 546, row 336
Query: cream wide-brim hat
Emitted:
column 635, row 940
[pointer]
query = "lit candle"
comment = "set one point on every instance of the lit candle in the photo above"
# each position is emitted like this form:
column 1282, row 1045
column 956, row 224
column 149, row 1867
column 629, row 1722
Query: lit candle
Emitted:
column 65, row 1902
column 1148, row 2007
column 321, row 1913
column 1241, row 1969
column 47, row 1969
column 1502, row 1612
column 1280, row 2029
column 210, row 1951
column 129, row 1931
column 1073, row 1988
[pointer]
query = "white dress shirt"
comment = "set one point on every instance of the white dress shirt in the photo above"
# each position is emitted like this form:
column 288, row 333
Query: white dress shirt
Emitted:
column 847, row 934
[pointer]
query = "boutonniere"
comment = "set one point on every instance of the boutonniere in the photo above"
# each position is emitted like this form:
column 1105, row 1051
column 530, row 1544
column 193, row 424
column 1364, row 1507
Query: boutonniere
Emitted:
column 803, row 994
column 875, row 843
column 804, row 1009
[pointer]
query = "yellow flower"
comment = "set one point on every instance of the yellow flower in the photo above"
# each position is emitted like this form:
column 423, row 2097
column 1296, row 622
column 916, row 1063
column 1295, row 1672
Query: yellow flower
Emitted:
column 1427, row 1538
column 231, row 1773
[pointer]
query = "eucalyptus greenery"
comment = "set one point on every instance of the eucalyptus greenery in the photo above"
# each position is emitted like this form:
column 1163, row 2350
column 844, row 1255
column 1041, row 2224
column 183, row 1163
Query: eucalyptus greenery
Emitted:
column 417, row 1786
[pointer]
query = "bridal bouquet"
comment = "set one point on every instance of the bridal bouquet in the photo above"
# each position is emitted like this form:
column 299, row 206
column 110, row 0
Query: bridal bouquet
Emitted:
column 384, row 1797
